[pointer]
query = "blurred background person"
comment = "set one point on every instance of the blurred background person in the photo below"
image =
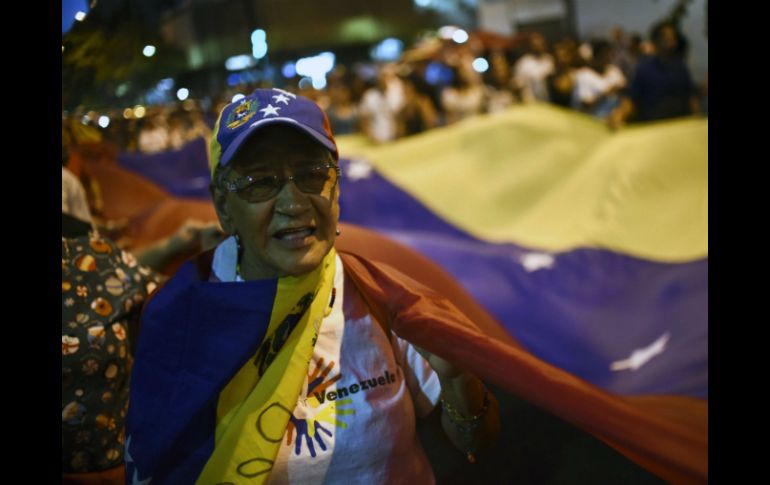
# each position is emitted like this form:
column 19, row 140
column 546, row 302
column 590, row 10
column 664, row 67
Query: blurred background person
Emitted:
column 662, row 86
column 499, row 94
column 598, row 83
column 176, row 132
column 418, row 113
column 380, row 105
column 153, row 135
column 465, row 95
column 561, row 82
column 532, row 69
column 343, row 113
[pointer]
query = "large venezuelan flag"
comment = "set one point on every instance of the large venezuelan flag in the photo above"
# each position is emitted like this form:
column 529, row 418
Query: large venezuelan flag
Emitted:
column 588, row 248
column 580, row 256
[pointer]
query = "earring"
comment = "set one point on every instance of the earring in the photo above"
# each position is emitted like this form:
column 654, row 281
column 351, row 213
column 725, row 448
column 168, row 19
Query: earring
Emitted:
column 338, row 232
column 238, row 245
column 239, row 252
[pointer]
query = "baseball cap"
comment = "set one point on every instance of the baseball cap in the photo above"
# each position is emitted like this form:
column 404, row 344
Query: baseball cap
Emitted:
column 240, row 119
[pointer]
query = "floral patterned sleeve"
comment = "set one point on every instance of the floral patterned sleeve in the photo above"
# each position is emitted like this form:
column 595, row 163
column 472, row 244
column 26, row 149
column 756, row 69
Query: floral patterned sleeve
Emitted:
column 103, row 290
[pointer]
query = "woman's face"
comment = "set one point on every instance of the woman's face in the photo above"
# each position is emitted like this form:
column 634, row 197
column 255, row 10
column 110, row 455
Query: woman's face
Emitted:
column 290, row 233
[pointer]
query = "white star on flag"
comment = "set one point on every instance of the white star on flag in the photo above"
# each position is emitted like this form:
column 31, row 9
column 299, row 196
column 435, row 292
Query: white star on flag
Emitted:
column 639, row 357
column 535, row 261
column 281, row 98
column 358, row 170
column 270, row 110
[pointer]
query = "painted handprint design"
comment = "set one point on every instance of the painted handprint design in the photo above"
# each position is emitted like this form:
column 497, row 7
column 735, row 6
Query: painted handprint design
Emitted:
column 314, row 419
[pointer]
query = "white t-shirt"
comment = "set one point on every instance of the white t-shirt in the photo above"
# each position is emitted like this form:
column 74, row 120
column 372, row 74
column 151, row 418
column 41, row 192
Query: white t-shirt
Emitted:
column 463, row 103
column 590, row 85
column 530, row 73
column 380, row 113
column 73, row 196
column 360, row 399
column 154, row 140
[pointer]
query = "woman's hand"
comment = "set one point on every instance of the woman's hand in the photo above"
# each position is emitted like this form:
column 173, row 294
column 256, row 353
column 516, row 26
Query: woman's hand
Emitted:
column 470, row 415
column 193, row 236
column 196, row 235
column 444, row 369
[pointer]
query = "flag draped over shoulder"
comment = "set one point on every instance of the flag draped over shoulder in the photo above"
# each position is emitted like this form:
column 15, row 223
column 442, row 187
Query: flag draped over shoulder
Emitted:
column 255, row 406
column 183, row 361
column 221, row 419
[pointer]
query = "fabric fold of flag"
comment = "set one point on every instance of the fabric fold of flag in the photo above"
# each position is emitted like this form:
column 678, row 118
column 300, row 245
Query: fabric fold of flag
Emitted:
column 195, row 336
column 665, row 433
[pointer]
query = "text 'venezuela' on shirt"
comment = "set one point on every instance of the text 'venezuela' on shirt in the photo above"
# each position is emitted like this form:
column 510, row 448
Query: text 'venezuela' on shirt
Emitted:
column 364, row 385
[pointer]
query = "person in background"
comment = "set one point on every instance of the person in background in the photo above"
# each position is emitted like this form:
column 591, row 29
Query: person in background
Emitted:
column 103, row 291
column 662, row 87
column 176, row 131
column 153, row 136
column 598, row 84
column 499, row 95
column 532, row 69
column 380, row 105
column 343, row 112
column 561, row 82
column 73, row 195
column 418, row 113
column 465, row 96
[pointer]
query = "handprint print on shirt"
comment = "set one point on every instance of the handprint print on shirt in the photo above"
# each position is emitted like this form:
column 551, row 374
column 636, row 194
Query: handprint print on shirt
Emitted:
column 301, row 425
column 308, row 425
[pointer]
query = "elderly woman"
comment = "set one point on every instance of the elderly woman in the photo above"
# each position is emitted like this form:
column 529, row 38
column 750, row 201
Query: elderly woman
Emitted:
column 272, row 358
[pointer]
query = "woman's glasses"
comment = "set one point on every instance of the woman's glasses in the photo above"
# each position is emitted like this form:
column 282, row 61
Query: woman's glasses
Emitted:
column 318, row 179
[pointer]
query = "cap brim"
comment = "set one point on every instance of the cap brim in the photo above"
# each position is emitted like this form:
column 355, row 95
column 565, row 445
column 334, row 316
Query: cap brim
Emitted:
column 236, row 144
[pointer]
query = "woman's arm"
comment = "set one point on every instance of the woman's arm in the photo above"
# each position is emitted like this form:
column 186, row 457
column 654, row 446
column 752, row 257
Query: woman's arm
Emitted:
column 470, row 415
column 192, row 236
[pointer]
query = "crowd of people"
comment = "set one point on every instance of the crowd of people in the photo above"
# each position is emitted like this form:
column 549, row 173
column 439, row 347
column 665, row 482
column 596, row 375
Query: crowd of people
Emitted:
column 620, row 79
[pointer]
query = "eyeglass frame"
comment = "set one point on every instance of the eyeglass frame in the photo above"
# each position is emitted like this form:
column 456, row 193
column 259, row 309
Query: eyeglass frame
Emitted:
column 241, row 183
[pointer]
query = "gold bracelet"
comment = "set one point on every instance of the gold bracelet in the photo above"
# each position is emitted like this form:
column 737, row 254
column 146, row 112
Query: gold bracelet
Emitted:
column 458, row 418
column 466, row 426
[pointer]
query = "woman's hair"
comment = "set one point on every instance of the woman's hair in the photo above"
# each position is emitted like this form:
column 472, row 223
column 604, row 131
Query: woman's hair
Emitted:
column 220, row 174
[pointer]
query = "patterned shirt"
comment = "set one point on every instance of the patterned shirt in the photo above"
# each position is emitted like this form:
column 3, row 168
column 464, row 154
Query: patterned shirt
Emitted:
column 103, row 289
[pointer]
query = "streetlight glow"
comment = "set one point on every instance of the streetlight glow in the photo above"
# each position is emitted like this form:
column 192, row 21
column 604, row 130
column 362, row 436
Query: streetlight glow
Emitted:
column 480, row 64
column 460, row 36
